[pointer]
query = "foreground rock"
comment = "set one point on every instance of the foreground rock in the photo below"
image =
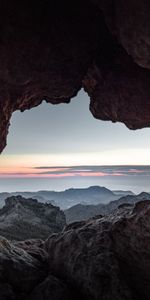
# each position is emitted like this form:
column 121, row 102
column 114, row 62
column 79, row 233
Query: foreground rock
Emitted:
column 22, row 219
column 20, row 272
column 104, row 258
column 24, row 273
column 54, row 289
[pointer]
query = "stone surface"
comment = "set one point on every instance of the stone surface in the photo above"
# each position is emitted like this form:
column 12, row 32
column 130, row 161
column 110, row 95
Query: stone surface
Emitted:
column 103, row 258
column 22, row 219
column 107, row 257
column 83, row 255
column 129, row 22
column 54, row 289
column 19, row 271
column 119, row 91
column 24, row 273
column 50, row 50
column 35, row 248
column 45, row 51
column 131, row 238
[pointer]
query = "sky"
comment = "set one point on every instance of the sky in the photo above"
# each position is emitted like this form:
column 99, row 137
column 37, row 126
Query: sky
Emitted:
column 43, row 143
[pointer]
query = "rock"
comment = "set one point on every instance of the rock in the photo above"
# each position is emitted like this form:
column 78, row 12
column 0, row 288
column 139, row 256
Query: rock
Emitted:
column 22, row 219
column 7, row 292
column 129, row 22
column 131, row 238
column 107, row 257
column 24, row 273
column 54, row 289
column 19, row 271
column 119, row 91
column 35, row 248
column 85, row 258
column 51, row 50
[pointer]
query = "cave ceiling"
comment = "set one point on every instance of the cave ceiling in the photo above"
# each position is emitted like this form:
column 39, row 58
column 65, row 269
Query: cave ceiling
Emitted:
column 51, row 49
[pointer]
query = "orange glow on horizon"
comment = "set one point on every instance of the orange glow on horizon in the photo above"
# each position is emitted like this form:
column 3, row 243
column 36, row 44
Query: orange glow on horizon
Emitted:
column 30, row 166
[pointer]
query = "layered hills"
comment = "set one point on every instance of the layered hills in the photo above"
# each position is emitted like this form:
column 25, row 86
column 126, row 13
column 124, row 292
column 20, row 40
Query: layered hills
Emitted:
column 70, row 197
column 22, row 215
column 81, row 212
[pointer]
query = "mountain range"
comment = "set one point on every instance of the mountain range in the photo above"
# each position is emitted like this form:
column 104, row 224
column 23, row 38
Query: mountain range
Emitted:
column 83, row 212
column 70, row 197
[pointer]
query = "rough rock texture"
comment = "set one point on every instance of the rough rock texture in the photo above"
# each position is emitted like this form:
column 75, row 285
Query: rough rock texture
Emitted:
column 103, row 258
column 45, row 50
column 54, row 289
column 35, row 248
column 107, row 257
column 119, row 92
column 19, row 271
column 49, row 50
column 129, row 22
column 131, row 238
column 22, row 219
column 85, row 257
column 24, row 273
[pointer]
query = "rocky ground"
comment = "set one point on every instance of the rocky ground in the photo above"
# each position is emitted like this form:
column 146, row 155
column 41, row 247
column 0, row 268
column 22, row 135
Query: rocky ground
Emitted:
column 103, row 258
column 22, row 219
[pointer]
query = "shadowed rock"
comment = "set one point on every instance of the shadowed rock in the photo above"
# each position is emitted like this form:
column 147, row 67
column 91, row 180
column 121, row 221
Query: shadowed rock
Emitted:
column 103, row 258
column 54, row 289
column 19, row 271
column 49, row 50
column 107, row 257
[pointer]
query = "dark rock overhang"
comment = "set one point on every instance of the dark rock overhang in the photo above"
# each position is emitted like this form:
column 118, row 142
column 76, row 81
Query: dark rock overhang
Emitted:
column 51, row 49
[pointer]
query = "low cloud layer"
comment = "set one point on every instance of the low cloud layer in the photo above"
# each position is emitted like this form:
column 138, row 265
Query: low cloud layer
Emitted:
column 80, row 171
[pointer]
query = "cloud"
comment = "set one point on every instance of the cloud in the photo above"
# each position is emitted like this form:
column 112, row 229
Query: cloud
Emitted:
column 79, row 171
column 99, row 170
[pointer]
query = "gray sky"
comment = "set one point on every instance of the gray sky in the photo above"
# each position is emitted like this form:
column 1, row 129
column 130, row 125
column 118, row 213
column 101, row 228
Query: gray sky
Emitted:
column 48, row 137
column 70, row 129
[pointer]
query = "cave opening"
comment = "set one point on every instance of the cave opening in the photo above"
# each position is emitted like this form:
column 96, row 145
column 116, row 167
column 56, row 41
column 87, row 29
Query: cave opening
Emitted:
column 62, row 146
column 81, row 247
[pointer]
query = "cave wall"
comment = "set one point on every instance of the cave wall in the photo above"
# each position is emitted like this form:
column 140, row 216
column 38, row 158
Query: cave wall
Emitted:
column 50, row 50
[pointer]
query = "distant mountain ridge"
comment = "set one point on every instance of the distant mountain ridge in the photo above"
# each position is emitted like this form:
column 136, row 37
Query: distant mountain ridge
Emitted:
column 123, row 193
column 81, row 212
column 70, row 197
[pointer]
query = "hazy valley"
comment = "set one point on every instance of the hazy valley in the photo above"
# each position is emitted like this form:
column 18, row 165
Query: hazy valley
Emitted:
column 27, row 215
column 70, row 197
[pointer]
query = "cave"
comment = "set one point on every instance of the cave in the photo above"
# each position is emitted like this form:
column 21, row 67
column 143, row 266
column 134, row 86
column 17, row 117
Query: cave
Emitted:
column 51, row 51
